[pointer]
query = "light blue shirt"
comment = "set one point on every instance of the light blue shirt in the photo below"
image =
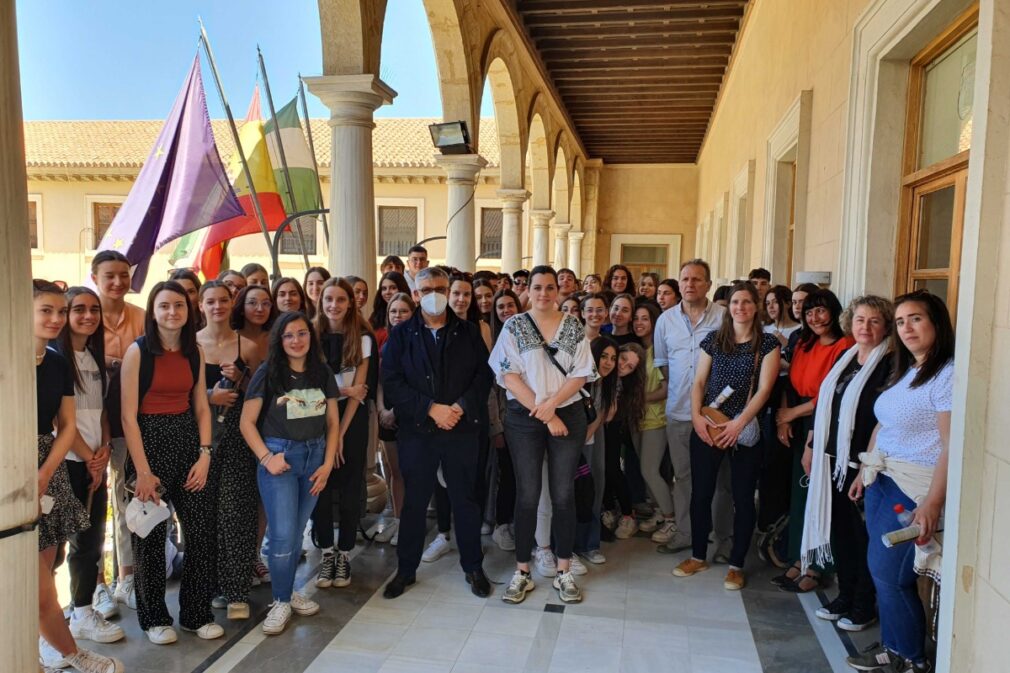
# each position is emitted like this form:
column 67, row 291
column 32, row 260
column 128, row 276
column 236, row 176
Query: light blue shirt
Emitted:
column 677, row 344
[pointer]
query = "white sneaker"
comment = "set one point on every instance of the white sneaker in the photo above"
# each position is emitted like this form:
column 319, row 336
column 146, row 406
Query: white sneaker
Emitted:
column 504, row 538
column 103, row 602
column 396, row 537
column 92, row 626
column 568, row 590
column 50, row 657
column 209, row 631
column 438, row 548
column 386, row 532
column 626, row 528
column 652, row 523
column 594, row 556
column 545, row 562
column 125, row 593
column 86, row 661
column 665, row 532
column 576, row 566
column 162, row 635
column 303, row 605
column 277, row 618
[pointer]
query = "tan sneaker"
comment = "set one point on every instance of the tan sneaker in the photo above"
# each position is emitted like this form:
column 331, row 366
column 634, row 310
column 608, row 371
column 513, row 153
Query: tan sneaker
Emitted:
column 734, row 580
column 690, row 567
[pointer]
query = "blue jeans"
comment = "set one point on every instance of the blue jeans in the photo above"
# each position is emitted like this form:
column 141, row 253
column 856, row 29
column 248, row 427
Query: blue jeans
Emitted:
column 902, row 619
column 288, row 505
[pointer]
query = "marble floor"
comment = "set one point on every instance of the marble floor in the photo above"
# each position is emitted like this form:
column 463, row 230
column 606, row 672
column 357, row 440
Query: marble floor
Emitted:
column 635, row 617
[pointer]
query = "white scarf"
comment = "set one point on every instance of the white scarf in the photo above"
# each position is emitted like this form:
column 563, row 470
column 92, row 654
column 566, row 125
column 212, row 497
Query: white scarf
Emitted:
column 815, row 547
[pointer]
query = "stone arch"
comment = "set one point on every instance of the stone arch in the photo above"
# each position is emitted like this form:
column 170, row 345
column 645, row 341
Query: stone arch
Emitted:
column 498, row 53
column 575, row 210
column 455, row 71
column 561, row 183
column 351, row 33
column 541, row 164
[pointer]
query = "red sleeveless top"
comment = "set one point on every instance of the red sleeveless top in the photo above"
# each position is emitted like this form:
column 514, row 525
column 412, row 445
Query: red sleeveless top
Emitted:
column 171, row 386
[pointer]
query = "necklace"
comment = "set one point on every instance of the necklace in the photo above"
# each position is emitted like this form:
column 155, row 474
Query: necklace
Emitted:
column 40, row 358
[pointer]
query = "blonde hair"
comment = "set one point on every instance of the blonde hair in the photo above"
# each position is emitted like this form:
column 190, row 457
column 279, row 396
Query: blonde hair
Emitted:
column 875, row 303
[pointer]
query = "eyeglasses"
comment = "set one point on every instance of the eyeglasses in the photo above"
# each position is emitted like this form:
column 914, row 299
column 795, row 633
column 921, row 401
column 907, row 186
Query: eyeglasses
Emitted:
column 300, row 334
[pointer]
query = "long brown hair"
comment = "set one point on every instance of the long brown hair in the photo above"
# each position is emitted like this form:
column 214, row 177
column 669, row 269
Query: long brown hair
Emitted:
column 725, row 338
column 354, row 326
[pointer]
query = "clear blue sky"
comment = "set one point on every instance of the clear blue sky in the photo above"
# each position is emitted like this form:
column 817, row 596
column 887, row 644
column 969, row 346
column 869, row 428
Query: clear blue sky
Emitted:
column 119, row 59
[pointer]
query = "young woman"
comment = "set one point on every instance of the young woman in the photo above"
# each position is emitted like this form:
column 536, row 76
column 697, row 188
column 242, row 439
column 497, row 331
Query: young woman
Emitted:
column 483, row 297
column 594, row 312
column 63, row 515
column 347, row 346
column 313, row 284
column 233, row 280
column 506, row 305
column 617, row 438
column 191, row 283
column 667, row 293
column 504, row 282
column 461, row 301
column 360, row 288
column 252, row 315
column 618, row 280
column 820, row 343
column 291, row 423
column 391, row 284
column 400, row 309
column 604, row 392
column 778, row 304
column 229, row 361
column 82, row 343
column 740, row 357
column 650, row 439
column 288, row 296
column 256, row 274
column 622, row 310
column 722, row 294
column 648, row 284
column 167, row 422
column 833, row 530
column 572, row 306
column 592, row 284
column 909, row 469
column 544, row 416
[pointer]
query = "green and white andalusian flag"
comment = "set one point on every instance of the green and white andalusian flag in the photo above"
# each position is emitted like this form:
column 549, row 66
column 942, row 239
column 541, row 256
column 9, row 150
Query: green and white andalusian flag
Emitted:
column 304, row 179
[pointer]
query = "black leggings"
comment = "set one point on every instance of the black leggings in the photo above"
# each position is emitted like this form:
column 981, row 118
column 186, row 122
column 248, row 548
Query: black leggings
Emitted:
column 616, row 484
column 348, row 481
column 85, row 554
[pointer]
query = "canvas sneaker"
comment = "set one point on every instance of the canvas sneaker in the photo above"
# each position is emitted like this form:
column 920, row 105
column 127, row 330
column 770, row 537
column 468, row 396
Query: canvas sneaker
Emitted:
column 125, row 594
column 50, row 657
column 303, row 605
column 92, row 626
column 85, row 661
column 576, row 566
column 342, row 574
column 504, row 538
column 545, row 562
column 520, row 585
column 277, row 618
column 209, row 631
column 103, row 602
column 327, row 571
column 626, row 528
column 261, row 573
column 162, row 635
column 594, row 556
column 568, row 590
column 834, row 610
column 856, row 620
column 664, row 533
column 438, row 548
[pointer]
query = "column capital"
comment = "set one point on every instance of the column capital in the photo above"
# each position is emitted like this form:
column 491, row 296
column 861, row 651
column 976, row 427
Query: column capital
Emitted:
column 513, row 197
column 541, row 218
column 351, row 99
column 461, row 168
column 561, row 229
column 576, row 235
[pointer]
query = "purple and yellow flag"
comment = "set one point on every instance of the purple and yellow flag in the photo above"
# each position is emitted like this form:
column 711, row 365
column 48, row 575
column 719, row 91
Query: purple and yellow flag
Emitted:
column 182, row 187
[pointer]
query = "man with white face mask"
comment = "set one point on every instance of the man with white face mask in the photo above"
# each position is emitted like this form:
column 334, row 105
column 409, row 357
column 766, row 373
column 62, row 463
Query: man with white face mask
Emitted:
column 436, row 379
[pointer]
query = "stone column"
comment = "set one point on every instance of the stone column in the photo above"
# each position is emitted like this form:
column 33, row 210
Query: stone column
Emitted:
column 19, row 617
column 461, row 238
column 512, row 201
column 575, row 252
column 351, row 99
column 541, row 233
column 561, row 230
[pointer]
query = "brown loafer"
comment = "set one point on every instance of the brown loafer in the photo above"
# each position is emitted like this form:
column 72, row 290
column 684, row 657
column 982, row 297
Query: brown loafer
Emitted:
column 690, row 567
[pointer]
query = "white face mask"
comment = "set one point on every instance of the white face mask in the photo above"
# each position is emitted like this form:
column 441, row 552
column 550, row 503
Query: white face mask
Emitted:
column 434, row 303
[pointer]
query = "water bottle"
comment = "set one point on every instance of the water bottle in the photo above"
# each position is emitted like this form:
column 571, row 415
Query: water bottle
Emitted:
column 225, row 384
column 908, row 532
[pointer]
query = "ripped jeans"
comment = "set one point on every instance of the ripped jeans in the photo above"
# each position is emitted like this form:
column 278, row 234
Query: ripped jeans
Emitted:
column 288, row 505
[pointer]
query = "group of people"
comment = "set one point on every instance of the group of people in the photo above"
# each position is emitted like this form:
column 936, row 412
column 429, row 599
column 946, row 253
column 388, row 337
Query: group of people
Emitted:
column 550, row 413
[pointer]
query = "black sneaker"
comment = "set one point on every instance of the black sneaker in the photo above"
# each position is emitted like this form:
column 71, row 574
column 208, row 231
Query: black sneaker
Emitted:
column 834, row 610
column 342, row 574
column 397, row 586
column 857, row 620
column 327, row 571
column 873, row 658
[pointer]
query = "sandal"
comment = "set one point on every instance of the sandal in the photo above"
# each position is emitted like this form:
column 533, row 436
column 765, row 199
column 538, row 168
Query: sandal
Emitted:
column 788, row 577
column 803, row 584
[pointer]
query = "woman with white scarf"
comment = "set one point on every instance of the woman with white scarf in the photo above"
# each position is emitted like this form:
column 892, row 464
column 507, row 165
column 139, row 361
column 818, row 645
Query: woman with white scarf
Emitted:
column 843, row 423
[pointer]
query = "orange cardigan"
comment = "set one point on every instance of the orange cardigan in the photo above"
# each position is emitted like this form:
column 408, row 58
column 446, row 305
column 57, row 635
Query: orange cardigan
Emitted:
column 808, row 368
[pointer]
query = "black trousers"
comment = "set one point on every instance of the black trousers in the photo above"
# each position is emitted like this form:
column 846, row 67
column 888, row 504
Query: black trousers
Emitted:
column 745, row 462
column 616, row 483
column 505, row 500
column 849, row 542
column 348, row 481
column 238, row 502
column 85, row 554
column 420, row 457
column 775, row 486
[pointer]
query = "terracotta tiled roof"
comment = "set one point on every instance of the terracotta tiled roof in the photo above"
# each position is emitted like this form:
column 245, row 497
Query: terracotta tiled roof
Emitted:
column 396, row 143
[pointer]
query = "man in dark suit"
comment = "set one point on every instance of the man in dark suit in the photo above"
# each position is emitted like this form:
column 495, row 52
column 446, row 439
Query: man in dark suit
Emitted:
column 436, row 379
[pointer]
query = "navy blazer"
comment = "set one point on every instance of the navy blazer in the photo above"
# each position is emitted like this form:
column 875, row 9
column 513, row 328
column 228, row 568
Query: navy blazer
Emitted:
column 410, row 384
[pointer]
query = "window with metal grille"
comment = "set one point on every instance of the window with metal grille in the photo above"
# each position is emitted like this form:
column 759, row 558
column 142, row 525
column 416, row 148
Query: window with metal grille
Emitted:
column 397, row 229
column 33, row 223
column 102, row 215
column 490, row 232
column 289, row 239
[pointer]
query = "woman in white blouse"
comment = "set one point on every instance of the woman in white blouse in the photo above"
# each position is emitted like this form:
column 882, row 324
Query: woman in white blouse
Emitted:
column 542, row 359
column 906, row 465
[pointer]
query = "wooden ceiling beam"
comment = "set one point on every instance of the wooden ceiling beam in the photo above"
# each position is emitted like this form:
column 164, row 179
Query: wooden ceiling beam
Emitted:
column 590, row 113
column 619, row 16
column 712, row 75
column 656, row 41
column 669, row 90
column 558, row 65
column 670, row 67
column 618, row 53
column 551, row 6
column 637, row 30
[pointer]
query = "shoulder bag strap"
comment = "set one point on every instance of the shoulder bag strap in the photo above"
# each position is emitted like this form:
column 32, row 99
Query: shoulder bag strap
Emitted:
column 547, row 351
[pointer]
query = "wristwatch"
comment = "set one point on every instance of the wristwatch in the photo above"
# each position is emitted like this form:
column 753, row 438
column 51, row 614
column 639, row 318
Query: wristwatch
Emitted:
column 206, row 449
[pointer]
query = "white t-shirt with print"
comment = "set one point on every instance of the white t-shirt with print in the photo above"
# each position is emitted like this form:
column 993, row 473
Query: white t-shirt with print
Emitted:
column 345, row 377
column 908, row 429
column 88, row 401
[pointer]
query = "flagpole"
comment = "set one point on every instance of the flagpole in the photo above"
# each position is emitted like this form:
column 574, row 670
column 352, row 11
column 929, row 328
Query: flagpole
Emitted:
column 238, row 144
column 312, row 151
column 284, row 161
